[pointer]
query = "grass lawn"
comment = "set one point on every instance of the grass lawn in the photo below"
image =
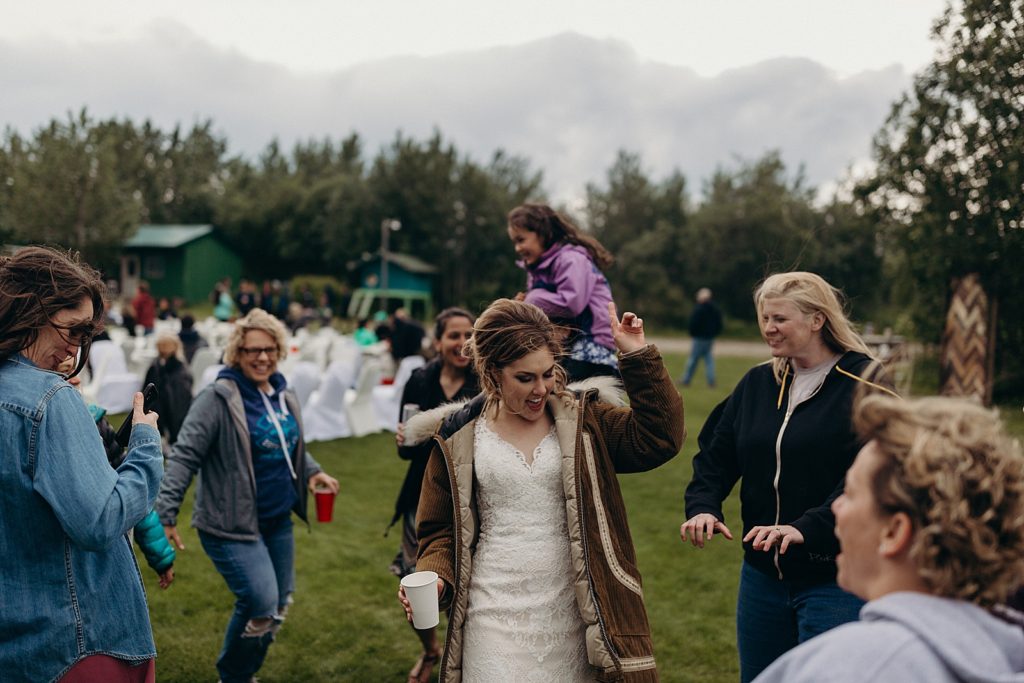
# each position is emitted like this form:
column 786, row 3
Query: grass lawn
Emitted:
column 346, row 624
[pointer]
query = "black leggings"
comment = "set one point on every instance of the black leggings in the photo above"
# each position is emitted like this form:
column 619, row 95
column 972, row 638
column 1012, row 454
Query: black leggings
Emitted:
column 581, row 369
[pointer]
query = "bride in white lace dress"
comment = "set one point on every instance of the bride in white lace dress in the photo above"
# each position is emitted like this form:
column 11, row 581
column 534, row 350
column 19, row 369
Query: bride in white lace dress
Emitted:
column 522, row 623
column 520, row 513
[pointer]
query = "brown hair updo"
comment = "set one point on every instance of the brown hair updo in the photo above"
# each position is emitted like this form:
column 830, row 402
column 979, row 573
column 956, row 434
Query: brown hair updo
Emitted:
column 504, row 333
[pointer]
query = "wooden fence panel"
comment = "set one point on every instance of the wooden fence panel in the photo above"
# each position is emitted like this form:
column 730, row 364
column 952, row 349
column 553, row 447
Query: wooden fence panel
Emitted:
column 966, row 359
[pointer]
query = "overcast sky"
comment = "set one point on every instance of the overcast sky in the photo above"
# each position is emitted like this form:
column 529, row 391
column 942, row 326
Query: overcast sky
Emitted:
column 692, row 84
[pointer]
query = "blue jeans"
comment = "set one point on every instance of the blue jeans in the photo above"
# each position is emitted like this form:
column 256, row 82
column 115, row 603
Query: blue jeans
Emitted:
column 261, row 574
column 701, row 349
column 775, row 616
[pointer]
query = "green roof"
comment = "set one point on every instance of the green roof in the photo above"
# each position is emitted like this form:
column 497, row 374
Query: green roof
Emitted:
column 410, row 263
column 167, row 236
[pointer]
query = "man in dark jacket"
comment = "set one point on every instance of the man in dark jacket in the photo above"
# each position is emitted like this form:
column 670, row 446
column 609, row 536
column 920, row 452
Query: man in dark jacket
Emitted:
column 406, row 336
column 705, row 325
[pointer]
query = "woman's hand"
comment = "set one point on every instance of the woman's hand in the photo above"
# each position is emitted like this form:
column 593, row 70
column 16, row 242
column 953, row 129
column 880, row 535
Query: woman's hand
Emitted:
column 405, row 601
column 166, row 577
column 140, row 417
column 765, row 537
column 701, row 528
column 627, row 333
column 171, row 532
column 400, row 434
column 325, row 480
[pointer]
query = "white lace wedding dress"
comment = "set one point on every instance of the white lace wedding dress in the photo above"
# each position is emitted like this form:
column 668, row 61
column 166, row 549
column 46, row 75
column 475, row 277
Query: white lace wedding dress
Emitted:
column 522, row 622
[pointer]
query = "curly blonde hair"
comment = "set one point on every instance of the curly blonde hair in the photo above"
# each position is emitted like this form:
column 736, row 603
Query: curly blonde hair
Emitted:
column 948, row 464
column 810, row 293
column 504, row 333
column 256, row 319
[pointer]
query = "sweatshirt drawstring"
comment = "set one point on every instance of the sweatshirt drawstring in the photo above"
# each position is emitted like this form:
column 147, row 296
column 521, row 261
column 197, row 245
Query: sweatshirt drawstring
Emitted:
column 782, row 387
column 277, row 425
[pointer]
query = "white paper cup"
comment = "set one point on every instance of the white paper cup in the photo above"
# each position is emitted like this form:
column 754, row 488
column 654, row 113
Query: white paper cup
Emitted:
column 421, row 591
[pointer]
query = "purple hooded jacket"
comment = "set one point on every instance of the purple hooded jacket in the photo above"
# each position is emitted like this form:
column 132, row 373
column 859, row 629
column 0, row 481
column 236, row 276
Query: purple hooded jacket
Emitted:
column 567, row 285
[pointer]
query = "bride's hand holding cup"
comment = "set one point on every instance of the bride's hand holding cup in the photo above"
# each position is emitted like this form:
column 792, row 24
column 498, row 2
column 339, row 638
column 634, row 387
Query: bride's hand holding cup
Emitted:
column 419, row 602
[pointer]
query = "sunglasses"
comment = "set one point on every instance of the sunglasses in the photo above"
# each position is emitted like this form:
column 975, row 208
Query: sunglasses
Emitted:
column 255, row 351
column 79, row 335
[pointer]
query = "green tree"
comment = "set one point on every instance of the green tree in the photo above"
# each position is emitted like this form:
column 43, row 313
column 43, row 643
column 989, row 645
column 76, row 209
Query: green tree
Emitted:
column 176, row 177
column 65, row 188
column 643, row 224
column 950, row 176
column 482, row 266
column 844, row 249
column 452, row 213
column 751, row 222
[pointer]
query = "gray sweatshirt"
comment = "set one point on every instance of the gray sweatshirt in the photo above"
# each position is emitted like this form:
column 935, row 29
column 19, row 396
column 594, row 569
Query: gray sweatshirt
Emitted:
column 906, row 638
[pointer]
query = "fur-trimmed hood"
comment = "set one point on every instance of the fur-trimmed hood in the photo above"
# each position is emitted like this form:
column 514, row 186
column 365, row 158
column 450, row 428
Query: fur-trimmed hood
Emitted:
column 422, row 426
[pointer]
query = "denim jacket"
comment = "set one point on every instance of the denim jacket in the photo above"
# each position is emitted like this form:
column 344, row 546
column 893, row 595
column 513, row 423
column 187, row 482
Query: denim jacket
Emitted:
column 69, row 583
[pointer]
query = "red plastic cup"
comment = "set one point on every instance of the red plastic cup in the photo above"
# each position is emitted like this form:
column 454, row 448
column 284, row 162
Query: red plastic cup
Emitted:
column 324, row 505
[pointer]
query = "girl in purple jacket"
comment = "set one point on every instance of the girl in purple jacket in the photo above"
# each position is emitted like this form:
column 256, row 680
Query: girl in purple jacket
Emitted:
column 564, row 279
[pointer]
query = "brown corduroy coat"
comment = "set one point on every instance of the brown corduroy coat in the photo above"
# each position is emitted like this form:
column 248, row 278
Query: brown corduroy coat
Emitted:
column 598, row 440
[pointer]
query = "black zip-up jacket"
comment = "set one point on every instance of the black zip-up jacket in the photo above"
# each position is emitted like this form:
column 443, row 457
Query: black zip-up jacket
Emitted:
column 817, row 446
column 424, row 389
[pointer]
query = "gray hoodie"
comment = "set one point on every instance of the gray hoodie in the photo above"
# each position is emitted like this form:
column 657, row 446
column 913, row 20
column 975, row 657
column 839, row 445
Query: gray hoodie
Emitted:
column 910, row 637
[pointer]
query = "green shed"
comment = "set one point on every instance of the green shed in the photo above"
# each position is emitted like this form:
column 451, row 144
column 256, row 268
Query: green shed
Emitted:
column 401, row 278
column 177, row 260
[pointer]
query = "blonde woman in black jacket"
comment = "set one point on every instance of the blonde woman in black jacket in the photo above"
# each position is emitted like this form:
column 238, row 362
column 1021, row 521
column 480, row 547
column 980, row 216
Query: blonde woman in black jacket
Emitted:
column 786, row 431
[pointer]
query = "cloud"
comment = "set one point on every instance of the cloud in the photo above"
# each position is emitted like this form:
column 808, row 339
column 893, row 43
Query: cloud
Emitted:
column 567, row 102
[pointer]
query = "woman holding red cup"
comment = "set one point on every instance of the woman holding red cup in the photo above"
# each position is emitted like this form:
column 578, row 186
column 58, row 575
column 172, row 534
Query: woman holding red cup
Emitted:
column 243, row 433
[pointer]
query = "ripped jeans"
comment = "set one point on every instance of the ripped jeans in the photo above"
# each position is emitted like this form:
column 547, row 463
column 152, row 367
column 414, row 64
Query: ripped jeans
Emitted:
column 261, row 574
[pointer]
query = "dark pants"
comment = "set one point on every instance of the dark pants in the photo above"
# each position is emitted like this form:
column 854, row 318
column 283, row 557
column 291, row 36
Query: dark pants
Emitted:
column 775, row 616
column 581, row 369
column 261, row 574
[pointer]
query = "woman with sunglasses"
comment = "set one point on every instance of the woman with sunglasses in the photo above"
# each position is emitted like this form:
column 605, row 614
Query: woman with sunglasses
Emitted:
column 243, row 434
column 73, row 604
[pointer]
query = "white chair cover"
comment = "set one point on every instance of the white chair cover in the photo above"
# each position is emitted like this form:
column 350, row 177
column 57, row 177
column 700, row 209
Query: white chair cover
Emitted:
column 346, row 349
column 324, row 416
column 316, row 349
column 208, row 377
column 117, row 392
column 117, row 334
column 304, row 378
column 141, row 358
column 359, row 401
column 171, row 326
column 106, row 356
column 387, row 398
column 112, row 387
column 204, row 358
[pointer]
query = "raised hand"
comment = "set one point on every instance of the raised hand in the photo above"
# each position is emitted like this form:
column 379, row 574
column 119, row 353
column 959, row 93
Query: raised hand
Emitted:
column 628, row 333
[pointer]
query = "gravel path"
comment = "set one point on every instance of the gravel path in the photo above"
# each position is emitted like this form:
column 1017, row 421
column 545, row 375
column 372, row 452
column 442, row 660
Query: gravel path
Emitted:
column 723, row 347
